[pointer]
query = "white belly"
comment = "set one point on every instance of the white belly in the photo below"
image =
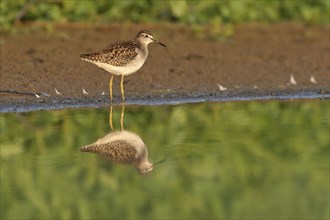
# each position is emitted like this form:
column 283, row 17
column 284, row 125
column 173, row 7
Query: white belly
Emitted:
column 130, row 68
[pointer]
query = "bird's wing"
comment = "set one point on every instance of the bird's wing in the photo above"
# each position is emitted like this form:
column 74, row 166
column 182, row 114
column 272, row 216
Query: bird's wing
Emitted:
column 118, row 151
column 116, row 54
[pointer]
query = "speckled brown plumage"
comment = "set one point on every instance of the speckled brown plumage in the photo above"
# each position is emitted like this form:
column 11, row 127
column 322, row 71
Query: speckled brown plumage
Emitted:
column 122, row 58
column 123, row 147
column 118, row 151
column 116, row 54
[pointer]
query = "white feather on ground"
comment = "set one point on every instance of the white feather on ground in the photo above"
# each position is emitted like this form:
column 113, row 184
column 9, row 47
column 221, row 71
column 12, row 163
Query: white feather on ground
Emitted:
column 292, row 80
column 57, row 92
column 313, row 80
column 221, row 88
column 36, row 95
column 84, row 91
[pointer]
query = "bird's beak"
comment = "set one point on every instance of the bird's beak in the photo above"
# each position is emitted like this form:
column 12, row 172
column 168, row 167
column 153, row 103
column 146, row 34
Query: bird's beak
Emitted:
column 160, row 43
column 161, row 161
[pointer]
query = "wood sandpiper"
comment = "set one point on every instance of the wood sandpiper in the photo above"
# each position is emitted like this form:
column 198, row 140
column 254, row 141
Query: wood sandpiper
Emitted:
column 123, row 58
column 123, row 147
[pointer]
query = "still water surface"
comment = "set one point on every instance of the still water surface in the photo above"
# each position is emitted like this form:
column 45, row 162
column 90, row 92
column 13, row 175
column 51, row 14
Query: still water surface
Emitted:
column 241, row 160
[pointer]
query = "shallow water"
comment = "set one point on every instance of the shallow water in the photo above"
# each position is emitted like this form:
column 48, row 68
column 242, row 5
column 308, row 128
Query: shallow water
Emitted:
column 235, row 160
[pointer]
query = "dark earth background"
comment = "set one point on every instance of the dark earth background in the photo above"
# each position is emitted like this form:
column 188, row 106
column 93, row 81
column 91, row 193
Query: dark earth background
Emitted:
column 256, row 61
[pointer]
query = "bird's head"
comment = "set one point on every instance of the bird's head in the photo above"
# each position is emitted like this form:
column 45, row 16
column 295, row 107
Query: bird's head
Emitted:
column 145, row 168
column 146, row 37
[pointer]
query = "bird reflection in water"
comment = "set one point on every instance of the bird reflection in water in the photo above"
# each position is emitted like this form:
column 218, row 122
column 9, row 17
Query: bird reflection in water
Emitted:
column 123, row 147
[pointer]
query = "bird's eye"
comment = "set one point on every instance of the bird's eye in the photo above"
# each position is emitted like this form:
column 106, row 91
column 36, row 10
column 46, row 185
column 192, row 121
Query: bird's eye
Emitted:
column 146, row 35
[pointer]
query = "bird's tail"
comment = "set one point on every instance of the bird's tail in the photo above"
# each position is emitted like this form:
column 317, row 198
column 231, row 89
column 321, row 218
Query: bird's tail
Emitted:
column 84, row 56
column 90, row 148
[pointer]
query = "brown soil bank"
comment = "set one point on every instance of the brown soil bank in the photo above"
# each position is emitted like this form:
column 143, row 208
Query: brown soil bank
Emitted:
column 255, row 63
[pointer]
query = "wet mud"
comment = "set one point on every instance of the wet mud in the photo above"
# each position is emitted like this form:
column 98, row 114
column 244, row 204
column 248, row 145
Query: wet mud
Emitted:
column 255, row 63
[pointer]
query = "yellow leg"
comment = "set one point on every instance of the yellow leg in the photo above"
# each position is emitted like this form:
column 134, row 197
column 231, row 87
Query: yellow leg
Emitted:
column 122, row 87
column 122, row 117
column 110, row 119
column 110, row 86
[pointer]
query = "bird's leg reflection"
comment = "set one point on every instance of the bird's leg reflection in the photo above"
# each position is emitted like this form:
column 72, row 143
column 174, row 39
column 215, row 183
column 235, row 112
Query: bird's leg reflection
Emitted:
column 110, row 118
column 122, row 117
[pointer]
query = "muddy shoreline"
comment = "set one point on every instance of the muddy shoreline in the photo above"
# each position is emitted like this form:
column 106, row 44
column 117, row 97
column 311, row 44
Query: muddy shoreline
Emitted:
column 52, row 103
column 256, row 63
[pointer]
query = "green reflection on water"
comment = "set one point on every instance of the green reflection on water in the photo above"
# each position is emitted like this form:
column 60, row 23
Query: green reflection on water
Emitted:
column 224, row 160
